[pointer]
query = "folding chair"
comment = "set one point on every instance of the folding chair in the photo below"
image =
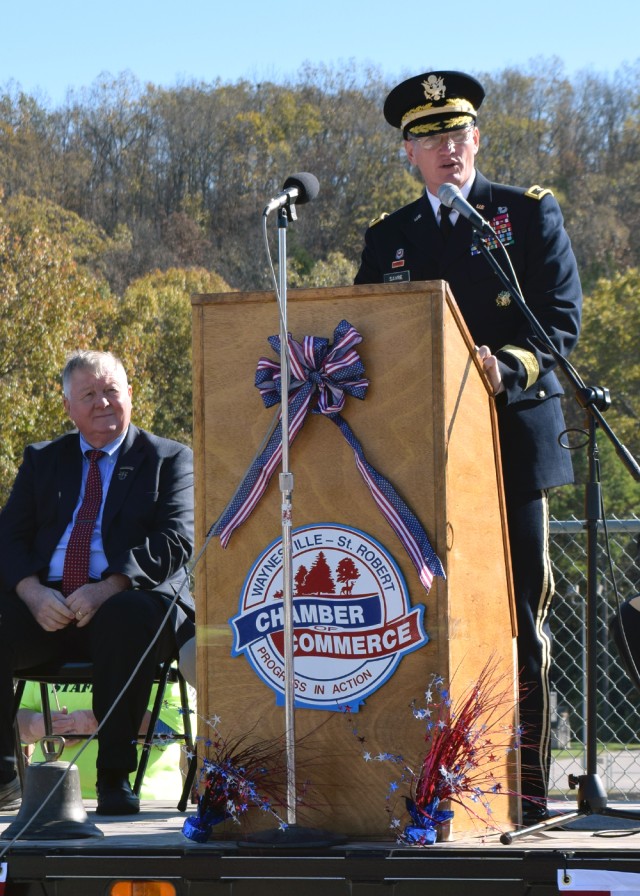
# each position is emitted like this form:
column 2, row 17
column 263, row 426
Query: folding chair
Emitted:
column 82, row 673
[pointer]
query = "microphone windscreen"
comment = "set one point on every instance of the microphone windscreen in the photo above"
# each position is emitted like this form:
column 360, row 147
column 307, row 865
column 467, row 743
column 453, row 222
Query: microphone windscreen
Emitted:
column 447, row 193
column 307, row 184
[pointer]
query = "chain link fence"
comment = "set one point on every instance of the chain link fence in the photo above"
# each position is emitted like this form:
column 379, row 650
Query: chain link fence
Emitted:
column 617, row 700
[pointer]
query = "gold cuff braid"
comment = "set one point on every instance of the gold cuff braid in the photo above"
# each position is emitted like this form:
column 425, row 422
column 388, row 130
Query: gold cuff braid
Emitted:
column 528, row 361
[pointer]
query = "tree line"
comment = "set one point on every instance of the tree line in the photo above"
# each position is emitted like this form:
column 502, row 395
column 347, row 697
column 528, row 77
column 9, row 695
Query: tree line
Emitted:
column 179, row 176
column 125, row 198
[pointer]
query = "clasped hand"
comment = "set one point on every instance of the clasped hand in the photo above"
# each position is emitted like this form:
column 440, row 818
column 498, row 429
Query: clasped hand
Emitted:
column 31, row 724
column 52, row 611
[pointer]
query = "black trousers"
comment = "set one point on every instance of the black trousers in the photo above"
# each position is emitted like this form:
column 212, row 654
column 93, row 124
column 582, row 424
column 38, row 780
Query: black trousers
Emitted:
column 528, row 520
column 114, row 641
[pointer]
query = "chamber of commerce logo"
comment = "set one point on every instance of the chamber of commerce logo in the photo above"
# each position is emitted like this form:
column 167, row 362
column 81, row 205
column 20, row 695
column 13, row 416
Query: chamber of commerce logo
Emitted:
column 352, row 618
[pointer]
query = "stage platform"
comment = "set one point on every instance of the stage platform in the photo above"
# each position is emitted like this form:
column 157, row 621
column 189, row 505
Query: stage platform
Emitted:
column 151, row 845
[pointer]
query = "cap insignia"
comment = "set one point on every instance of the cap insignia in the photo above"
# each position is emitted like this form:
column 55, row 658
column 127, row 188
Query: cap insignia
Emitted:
column 434, row 88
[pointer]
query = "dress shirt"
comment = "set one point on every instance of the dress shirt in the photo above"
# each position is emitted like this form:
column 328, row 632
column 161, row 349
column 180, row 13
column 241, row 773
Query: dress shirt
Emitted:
column 97, row 559
column 435, row 202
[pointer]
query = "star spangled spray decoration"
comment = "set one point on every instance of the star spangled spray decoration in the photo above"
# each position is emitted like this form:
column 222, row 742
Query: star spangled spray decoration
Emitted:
column 464, row 740
column 236, row 776
column 327, row 373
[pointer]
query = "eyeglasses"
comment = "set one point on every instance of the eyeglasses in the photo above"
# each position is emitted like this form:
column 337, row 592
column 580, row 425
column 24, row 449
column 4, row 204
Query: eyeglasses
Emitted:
column 435, row 141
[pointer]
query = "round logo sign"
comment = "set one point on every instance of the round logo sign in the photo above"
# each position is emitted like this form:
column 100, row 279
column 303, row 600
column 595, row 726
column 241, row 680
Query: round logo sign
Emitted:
column 352, row 618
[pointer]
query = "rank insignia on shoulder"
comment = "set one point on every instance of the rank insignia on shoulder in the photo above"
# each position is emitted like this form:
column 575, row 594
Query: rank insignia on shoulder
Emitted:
column 503, row 299
column 537, row 192
column 377, row 220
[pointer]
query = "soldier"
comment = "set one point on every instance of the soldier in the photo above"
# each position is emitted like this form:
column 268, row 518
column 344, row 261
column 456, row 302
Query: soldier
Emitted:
column 437, row 113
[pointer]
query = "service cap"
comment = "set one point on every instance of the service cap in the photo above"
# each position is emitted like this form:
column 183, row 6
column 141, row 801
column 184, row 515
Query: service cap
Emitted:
column 434, row 102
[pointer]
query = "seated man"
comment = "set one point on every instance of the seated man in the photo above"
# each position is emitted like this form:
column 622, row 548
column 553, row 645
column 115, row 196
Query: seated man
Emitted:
column 71, row 714
column 94, row 542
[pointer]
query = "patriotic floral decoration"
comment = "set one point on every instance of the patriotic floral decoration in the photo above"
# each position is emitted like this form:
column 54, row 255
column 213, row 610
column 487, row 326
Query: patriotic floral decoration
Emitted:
column 235, row 777
column 464, row 741
column 322, row 375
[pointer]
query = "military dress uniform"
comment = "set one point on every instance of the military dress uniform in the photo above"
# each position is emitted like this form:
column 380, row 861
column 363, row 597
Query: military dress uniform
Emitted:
column 409, row 245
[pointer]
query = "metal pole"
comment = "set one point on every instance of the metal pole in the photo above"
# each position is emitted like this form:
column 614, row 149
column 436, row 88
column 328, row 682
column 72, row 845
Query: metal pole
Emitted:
column 286, row 488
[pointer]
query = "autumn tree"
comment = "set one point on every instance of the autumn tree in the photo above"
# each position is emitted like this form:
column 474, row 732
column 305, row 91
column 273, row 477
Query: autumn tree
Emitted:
column 49, row 305
column 607, row 357
column 151, row 331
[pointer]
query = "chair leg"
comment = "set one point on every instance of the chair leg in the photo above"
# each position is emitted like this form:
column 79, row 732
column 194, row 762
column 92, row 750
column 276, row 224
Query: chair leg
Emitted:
column 187, row 790
column 188, row 787
column 148, row 739
column 20, row 760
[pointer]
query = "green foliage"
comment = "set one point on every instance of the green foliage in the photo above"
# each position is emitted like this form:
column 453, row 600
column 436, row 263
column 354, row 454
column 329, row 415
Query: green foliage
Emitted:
column 128, row 198
column 607, row 354
column 151, row 332
column 607, row 358
column 49, row 305
column 335, row 270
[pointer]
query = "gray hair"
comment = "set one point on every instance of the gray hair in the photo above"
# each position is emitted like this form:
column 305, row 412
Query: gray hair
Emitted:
column 98, row 362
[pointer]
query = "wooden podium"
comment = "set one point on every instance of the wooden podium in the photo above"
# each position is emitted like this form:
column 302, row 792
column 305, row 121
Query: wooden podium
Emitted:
column 428, row 425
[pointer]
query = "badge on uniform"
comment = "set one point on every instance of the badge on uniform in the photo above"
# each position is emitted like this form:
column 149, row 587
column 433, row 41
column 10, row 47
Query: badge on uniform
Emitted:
column 396, row 277
column 503, row 229
column 399, row 262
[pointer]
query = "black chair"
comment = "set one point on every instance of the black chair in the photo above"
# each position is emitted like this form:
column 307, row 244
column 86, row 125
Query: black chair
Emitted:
column 82, row 673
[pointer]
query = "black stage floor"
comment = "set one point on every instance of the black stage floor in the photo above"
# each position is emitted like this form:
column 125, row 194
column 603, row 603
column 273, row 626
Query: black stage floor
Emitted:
column 152, row 845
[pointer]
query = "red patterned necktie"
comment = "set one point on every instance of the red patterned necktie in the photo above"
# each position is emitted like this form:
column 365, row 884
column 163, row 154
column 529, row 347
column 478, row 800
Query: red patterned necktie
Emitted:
column 76, row 560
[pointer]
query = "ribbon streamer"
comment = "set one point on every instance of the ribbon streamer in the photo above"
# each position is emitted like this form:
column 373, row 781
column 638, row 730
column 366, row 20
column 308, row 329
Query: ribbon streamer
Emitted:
column 331, row 373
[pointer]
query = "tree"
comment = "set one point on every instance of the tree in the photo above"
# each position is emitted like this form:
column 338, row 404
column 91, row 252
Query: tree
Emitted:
column 49, row 305
column 151, row 331
column 335, row 270
column 347, row 573
column 319, row 579
column 606, row 356
column 299, row 579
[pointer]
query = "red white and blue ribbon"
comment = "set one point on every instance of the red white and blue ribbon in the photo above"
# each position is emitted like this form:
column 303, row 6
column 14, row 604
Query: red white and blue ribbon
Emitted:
column 327, row 373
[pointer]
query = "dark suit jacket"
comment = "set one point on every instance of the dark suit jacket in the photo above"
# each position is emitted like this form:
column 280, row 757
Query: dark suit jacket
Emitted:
column 147, row 526
column 408, row 244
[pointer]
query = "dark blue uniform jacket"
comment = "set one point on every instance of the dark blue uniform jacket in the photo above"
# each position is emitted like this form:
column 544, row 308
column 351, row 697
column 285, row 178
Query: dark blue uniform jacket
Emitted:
column 408, row 245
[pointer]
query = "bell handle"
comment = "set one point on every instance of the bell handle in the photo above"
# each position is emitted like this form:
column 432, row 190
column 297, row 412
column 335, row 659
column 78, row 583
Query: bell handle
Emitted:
column 52, row 746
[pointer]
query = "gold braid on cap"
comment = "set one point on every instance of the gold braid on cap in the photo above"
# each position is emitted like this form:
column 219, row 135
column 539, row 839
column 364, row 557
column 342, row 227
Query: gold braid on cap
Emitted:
column 451, row 124
column 458, row 104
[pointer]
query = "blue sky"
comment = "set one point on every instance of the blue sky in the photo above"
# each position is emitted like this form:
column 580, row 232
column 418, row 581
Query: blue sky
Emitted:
column 49, row 47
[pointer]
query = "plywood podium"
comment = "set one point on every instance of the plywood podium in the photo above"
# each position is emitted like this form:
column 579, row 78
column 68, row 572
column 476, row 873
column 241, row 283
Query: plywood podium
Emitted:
column 428, row 425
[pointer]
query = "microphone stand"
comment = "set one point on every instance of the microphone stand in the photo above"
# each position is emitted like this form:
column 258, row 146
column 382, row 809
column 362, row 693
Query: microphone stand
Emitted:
column 286, row 489
column 591, row 795
column 293, row 835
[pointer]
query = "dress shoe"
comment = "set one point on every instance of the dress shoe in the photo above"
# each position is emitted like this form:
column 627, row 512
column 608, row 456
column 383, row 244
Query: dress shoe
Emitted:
column 115, row 796
column 534, row 813
column 10, row 795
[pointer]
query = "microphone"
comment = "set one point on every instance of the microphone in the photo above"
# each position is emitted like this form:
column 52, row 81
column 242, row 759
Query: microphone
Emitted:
column 450, row 195
column 300, row 188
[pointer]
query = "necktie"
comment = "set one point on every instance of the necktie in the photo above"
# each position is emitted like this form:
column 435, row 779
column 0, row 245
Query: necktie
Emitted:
column 445, row 221
column 76, row 560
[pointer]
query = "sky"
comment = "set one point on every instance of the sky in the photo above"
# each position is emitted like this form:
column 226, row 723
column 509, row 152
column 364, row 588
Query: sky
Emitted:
column 51, row 47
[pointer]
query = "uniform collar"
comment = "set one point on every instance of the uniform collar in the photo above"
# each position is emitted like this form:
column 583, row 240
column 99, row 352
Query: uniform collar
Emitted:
column 465, row 189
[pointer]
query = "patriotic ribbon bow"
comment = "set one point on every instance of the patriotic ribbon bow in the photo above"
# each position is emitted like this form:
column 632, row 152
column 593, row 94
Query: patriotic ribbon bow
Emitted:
column 330, row 372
